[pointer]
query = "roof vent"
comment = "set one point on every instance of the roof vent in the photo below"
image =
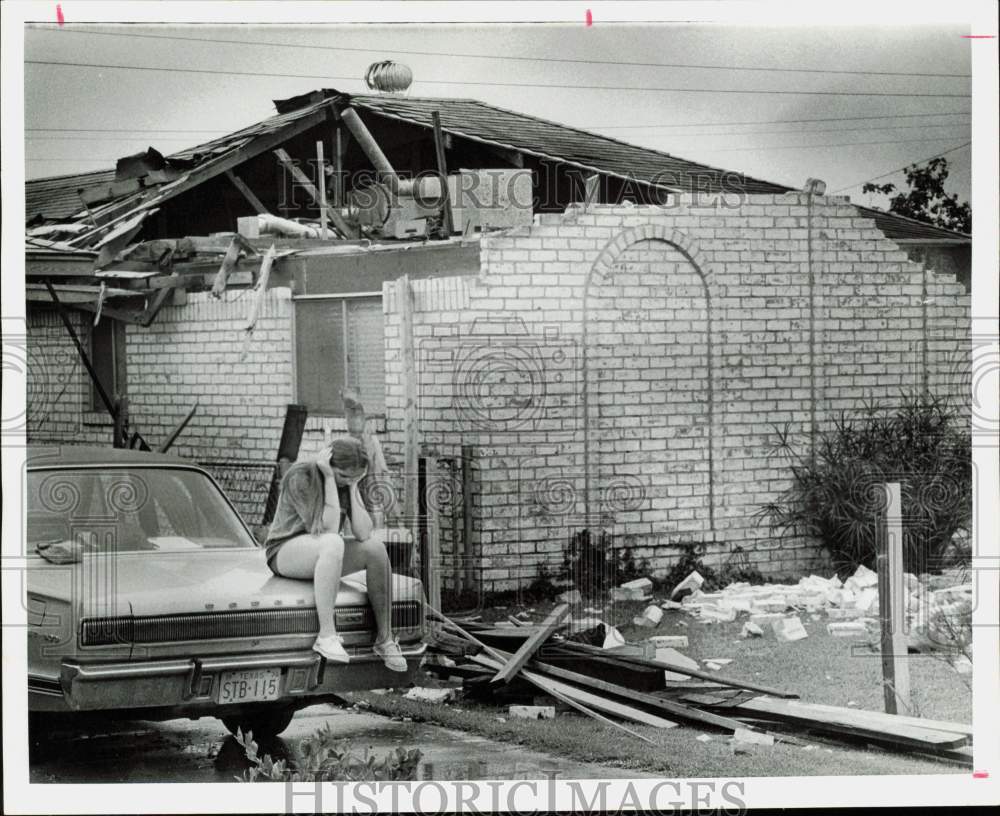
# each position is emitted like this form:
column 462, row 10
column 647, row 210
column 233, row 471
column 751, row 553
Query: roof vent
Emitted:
column 388, row 77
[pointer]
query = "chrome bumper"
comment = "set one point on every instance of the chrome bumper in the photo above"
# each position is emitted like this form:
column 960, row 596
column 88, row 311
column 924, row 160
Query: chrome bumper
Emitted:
column 194, row 683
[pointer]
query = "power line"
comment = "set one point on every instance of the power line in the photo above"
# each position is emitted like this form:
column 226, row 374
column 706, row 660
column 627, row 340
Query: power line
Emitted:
column 781, row 121
column 689, row 135
column 899, row 169
column 556, row 86
column 834, row 144
column 579, row 127
column 569, row 60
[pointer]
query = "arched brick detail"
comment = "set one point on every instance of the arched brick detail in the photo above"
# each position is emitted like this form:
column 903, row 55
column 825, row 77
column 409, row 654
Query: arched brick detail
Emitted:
column 600, row 271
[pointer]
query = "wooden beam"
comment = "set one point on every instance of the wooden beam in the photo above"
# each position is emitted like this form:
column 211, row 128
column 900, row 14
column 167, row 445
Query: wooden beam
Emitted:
column 248, row 194
column 260, row 290
column 851, row 722
column 411, row 441
column 339, row 149
column 670, row 707
column 892, row 604
column 532, row 644
column 442, row 168
column 178, row 429
column 535, row 679
column 229, row 261
column 321, row 181
column 305, row 182
column 585, row 649
column 586, row 698
column 84, row 357
column 214, row 167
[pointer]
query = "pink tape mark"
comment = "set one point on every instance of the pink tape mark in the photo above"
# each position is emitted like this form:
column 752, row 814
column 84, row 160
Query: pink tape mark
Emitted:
column 590, row 18
column 59, row 15
column 980, row 774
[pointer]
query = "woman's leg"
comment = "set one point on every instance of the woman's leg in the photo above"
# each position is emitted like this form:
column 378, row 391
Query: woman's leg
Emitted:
column 321, row 560
column 371, row 556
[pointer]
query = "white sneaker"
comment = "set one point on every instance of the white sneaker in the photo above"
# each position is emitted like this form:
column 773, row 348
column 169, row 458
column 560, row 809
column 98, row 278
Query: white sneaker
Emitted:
column 332, row 648
column 391, row 655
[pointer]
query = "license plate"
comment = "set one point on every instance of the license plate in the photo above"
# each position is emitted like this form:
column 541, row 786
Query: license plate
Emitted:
column 250, row 686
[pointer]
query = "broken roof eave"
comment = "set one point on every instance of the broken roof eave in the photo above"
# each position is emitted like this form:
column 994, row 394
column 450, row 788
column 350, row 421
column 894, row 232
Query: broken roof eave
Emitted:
column 213, row 167
column 526, row 151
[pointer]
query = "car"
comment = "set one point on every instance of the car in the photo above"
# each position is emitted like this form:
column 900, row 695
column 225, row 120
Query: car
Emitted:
column 149, row 598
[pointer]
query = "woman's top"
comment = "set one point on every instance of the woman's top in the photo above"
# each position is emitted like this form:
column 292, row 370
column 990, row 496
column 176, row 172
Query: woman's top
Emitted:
column 292, row 514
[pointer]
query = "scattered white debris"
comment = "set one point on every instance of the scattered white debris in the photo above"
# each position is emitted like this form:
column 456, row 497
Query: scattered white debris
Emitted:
column 650, row 617
column 669, row 641
column 689, row 584
column 719, row 661
column 674, row 658
column 747, row 737
column 703, row 738
column 789, row 629
column 525, row 712
column 847, row 629
column 430, row 695
column 671, row 605
column 852, row 703
column 751, row 629
column 571, row 597
column 612, row 637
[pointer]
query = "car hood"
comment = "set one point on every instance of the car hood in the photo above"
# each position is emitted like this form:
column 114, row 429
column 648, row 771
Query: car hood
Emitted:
column 169, row 583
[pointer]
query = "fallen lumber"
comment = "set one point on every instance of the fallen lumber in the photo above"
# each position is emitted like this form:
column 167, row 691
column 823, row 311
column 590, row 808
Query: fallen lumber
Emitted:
column 853, row 723
column 891, row 720
column 715, row 678
column 532, row 644
column 639, row 678
column 537, row 681
column 668, row 706
column 585, row 697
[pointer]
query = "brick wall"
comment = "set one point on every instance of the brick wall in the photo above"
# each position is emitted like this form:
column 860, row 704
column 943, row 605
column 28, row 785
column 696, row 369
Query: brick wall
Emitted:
column 194, row 351
column 623, row 368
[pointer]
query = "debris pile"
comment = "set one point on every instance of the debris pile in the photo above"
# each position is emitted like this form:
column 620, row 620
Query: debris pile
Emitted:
column 939, row 608
column 654, row 685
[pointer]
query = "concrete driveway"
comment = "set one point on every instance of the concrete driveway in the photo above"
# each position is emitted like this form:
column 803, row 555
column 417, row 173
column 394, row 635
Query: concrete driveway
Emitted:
column 203, row 751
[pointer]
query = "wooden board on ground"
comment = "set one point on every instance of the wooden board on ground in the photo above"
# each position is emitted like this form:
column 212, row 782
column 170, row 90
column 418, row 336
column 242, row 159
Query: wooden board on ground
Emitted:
column 588, row 699
column 527, row 649
column 668, row 706
column 851, row 722
column 640, row 678
column 727, row 681
column 891, row 720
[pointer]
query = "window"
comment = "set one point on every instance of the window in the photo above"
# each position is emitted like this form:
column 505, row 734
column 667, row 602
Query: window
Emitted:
column 339, row 341
column 107, row 354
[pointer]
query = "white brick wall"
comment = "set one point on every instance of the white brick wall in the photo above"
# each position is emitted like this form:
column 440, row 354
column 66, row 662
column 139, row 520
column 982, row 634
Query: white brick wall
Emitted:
column 190, row 352
column 697, row 338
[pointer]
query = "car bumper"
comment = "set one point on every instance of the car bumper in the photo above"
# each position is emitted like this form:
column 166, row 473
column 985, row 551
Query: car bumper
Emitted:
column 196, row 684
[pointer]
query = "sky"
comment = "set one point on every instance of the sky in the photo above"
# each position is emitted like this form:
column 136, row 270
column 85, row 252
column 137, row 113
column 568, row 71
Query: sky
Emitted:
column 81, row 117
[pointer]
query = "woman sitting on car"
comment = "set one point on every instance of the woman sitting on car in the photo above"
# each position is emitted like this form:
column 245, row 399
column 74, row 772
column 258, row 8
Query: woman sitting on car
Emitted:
column 305, row 541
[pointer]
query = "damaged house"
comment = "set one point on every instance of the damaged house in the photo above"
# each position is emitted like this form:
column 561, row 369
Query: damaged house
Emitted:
column 581, row 334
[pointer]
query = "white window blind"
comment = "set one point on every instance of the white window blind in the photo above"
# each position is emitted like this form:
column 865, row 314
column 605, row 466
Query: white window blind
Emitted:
column 338, row 342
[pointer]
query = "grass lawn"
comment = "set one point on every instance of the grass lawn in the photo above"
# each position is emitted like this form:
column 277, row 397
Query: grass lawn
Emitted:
column 821, row 669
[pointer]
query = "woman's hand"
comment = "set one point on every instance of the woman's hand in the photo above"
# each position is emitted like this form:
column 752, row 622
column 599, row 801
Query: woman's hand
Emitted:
column 323, row 463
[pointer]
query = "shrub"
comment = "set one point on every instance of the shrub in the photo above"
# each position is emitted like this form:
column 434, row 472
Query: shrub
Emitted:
column 319, row 758
column 836, row 494
column 594, row 564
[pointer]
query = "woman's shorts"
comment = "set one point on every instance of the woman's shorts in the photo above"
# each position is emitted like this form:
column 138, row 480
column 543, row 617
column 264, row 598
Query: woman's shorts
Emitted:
column 271, row 547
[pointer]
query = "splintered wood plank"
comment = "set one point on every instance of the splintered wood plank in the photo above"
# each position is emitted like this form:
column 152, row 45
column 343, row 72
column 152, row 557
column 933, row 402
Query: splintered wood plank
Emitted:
column 602, row 704
column 712, row 678
column 532, row 644
column 877, row 718
column 851, row 722
column 668, row 706
column 248, row 194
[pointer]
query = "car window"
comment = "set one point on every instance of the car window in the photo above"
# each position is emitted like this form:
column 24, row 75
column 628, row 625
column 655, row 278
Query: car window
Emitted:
column 131, row 509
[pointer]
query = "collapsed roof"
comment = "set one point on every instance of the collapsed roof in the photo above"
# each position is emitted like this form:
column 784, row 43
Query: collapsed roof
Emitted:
column 94, row 203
